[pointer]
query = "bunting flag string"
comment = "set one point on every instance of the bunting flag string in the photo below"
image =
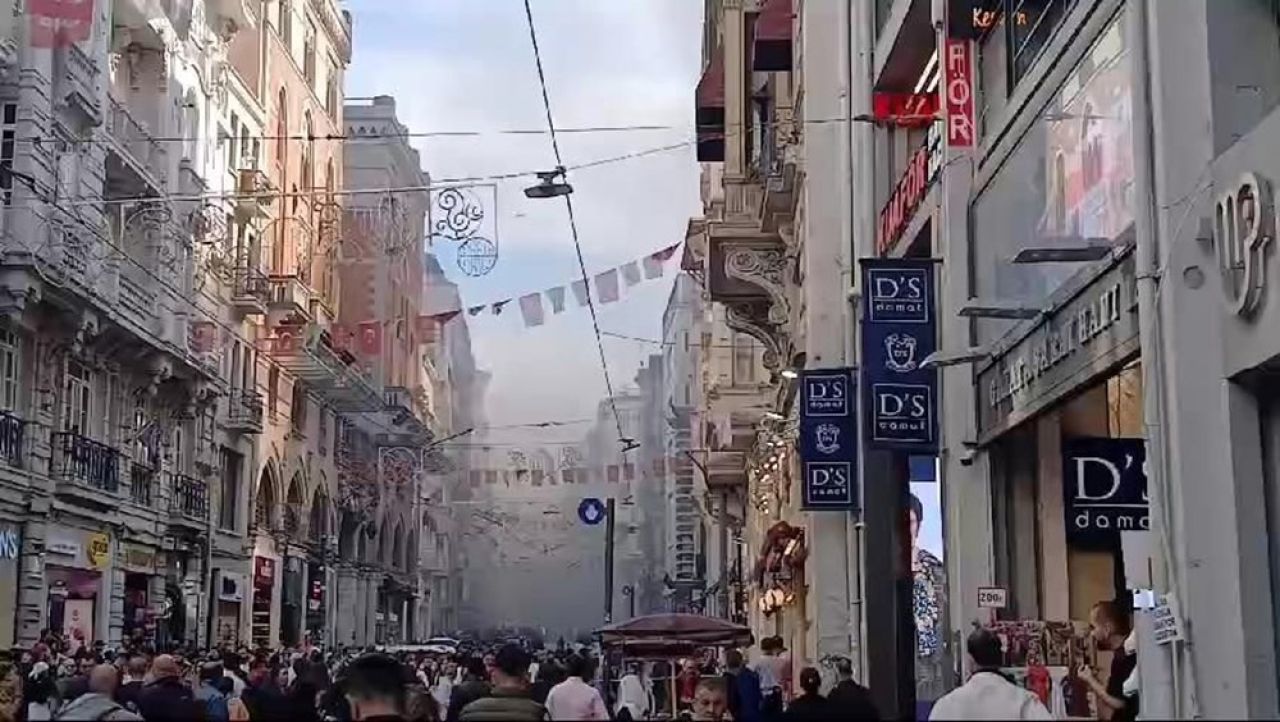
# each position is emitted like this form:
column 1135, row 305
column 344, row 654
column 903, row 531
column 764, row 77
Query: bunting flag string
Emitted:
column 366, row 338
column 619, row 473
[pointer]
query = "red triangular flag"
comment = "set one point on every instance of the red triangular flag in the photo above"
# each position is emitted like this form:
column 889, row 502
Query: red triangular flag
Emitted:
column 370, row 340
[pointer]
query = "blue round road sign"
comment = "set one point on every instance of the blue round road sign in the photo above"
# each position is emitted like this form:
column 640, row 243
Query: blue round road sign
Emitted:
column 591, row 511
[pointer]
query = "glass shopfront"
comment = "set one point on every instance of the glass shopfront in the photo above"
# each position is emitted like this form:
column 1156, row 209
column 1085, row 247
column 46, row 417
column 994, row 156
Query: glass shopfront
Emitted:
column 1068, row 182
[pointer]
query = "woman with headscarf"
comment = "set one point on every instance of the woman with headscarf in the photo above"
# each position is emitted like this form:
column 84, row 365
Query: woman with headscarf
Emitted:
column 635, row 702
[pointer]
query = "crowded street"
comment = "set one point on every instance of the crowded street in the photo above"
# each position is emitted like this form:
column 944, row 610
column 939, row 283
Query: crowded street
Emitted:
column 750, row 360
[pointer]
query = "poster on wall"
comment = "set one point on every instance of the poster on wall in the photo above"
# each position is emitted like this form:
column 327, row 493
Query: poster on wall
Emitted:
column 929, row 594
column 77, row 623
column 899, row 330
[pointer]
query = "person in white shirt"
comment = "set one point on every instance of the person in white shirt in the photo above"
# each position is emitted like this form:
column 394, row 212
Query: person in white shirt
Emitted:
column 988, row 694
column 574, row 699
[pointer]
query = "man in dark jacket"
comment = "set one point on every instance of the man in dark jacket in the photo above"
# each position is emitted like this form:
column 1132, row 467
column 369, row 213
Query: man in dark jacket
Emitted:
column 743, row 686
column 848, row 699
column 264, row 700
column 473, row 687
column 130, row 692
column 167, row 698
column 509, row 699
column 376, row 688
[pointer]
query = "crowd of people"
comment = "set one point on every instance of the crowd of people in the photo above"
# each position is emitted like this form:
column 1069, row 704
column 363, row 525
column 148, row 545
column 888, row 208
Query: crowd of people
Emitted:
column 51, row 681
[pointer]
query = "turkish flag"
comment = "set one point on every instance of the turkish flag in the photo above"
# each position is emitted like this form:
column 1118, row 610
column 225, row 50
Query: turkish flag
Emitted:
column 60, row 23
column 369, row 341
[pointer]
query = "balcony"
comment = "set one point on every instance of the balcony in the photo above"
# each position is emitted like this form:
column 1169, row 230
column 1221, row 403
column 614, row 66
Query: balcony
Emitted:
column 726, row 470
column 327, row 375
column 250, row 291
column 188, row 500
column 239, row 14
column 244, row 413
column 746, row 271
column 136, row 147
column 12, row 434
column 142, row 485
column 254, row 192
column 87, row 469
column 289, row 300
column 776, row 170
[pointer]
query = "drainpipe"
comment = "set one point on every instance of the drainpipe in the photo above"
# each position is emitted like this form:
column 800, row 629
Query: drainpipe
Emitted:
column 1158, row 665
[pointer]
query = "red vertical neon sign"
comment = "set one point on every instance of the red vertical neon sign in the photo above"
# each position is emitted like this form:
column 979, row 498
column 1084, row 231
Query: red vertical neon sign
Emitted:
column 959, row 92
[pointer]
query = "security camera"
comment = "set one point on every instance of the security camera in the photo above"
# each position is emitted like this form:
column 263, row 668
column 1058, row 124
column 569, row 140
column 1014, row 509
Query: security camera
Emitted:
column 967, row 456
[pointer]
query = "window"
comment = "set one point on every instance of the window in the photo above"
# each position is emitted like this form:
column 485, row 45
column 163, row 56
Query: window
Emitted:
column 231, row 464
column 181, row 458
column 1023, row 29
column 298, row 407
column 282, row 129
column 331, row 92
column 284, row 24
column 10, row 370
column 144, row 451
column 744, row 359
column 309, row 57
column 323, row 432
column 8, row 144
column 77, row 398
column 308, row 154
column 273, row 391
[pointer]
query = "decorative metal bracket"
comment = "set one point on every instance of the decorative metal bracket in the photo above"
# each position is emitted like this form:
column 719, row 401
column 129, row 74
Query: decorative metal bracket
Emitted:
column 763, row 318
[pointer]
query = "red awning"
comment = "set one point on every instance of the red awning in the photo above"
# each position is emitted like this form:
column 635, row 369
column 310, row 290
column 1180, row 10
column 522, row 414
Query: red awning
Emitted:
column 711, row 85
column 772, row 43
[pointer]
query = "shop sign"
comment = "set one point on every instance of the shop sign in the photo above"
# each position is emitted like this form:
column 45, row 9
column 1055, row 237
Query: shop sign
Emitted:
column 230, row 586
column 1104, row 485
column 10, row 543
column 98, row 551
column 973, row 19
column 1087, row 335
column 958, row 82
column 1165, row 621
column 829, row 439
column 64, row 547
column 899, row 330
column 905, row 110
column 993, row 597
column 264, row 571
column 921, row 171
column 137, row 558
column 1244, row 223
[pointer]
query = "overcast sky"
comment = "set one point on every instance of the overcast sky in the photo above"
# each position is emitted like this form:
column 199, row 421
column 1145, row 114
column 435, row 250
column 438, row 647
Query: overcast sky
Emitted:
column 468, row 65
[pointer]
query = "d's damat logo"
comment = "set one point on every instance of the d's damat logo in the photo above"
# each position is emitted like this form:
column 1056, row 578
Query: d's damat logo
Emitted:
column 900, row 353
column 1244, row 224
column 826, row 395
column 827, row 438
column 899, row 295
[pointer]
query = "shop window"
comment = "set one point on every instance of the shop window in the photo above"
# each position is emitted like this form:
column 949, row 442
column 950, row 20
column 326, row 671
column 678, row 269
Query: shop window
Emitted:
column 1016, row 523
column 1069, row 179
column 10, row 370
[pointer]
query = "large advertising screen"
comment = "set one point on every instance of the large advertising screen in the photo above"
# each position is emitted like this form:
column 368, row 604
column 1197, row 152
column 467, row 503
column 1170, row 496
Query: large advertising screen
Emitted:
column 1068, row 182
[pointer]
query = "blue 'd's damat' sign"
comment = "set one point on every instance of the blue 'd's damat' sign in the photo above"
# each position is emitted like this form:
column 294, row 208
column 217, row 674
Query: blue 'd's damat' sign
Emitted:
column 829, row 439
column 1104, row 486
column 899, row 329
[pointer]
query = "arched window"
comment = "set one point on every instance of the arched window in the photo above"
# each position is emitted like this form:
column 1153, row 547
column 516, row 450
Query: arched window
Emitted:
column 264, row 507
column 282, row 129
column 190, row 128
column 285, row 24
column 308, row 178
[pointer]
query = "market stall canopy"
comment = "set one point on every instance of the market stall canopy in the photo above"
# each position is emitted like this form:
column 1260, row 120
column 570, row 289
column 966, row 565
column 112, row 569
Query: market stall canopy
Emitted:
column 675, row 629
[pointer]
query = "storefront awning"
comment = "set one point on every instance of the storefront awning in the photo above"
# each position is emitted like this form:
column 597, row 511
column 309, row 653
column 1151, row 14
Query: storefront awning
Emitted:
column 771, row 50
column 709, row 109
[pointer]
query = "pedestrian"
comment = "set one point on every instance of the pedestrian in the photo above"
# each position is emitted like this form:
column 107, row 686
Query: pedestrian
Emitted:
column 810, row 706
column 848, row 699
column 770, row 669
column 988, row 694
column 11, row 692
column 167, row 697
column 442, row 690
column 209, row 693
column 574, row 699
column 710, row 700
column 264, row 699
column 77, row 684
column 98, row 701
column 687, row 683
column 130, row 690
column 549, row 675
column 39, row 692
column 376, row 687
column 635, row 701
column 508, row 698
column 743, row 686
column 474, row 685
column 1110, row 625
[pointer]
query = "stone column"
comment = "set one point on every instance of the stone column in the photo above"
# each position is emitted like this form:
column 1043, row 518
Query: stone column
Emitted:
column 31, row 579
column 371, row 609
column 113, row 587
column 347, row 605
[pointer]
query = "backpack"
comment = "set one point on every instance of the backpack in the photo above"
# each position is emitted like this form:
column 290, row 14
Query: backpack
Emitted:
column 215, row 708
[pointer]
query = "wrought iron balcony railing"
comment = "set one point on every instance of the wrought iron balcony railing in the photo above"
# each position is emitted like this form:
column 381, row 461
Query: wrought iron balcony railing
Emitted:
column 244, row 412
column 12, row 435
column 82, row 460
column 137, row 142
column 188, row 497
column 142, row 484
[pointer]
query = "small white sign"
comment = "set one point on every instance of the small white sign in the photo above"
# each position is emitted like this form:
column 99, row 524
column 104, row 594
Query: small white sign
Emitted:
column 62, row 546
column 993, row 597
column 1166, row 621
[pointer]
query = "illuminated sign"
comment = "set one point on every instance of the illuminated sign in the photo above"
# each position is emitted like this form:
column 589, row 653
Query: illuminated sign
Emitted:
column 921, row 171
column 973, row 19
column 904, row 109
column 958, row 79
